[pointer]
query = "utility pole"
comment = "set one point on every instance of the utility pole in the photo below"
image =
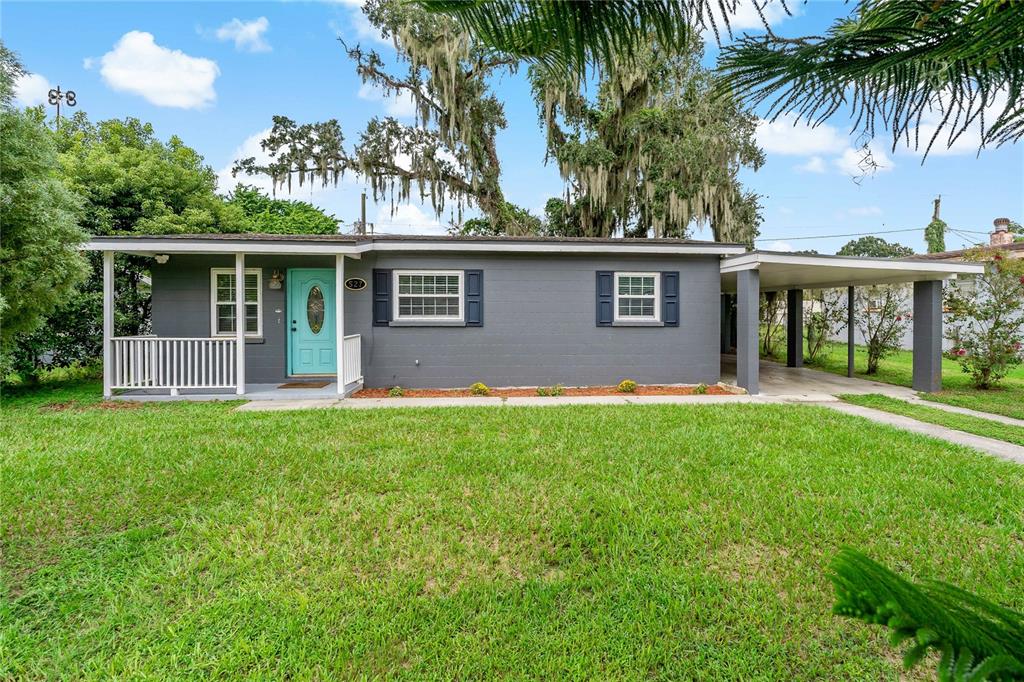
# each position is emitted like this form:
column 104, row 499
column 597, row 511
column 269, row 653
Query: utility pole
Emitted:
column 936, row 202
column 55, row 97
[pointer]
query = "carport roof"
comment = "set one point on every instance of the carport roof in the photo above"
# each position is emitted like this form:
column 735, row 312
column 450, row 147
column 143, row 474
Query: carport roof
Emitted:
column 780, row 271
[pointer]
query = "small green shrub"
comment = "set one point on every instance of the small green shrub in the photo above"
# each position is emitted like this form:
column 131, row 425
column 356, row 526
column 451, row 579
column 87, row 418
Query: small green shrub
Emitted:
column 627, row 386
column 396, row 392
column 479, row 389
column 701, row 389
column 551, row 391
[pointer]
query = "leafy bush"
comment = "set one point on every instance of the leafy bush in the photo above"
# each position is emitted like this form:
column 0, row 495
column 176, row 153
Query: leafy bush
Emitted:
column 986, row 321
column 883, row 315
column 479, row 389
column 396, row 392
column 701, row 389
column 627, row 386
column 550, row 391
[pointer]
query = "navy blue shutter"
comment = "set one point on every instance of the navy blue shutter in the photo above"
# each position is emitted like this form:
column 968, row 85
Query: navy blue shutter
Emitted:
column 670, row 299
column 381, row 298
column 474, row 298
column 605, row 293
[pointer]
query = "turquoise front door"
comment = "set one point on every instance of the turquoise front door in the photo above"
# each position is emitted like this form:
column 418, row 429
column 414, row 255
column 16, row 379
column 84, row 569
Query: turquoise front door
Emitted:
column 312, row 340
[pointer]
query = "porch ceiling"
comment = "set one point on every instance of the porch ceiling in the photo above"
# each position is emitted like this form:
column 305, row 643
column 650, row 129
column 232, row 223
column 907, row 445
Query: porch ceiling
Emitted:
column 780, row 271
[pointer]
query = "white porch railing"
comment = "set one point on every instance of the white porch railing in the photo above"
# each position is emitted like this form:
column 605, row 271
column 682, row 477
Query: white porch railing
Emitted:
column 158, row 362
column 353, row 359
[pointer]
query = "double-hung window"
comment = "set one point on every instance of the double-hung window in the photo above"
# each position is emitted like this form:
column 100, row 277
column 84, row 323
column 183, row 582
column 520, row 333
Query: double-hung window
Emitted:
column 637, row 296
column 428, row 295
column 222, row 305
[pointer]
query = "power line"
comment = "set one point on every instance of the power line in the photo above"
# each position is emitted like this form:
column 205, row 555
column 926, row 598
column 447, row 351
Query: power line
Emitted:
column 829, row 236
column 961, row 233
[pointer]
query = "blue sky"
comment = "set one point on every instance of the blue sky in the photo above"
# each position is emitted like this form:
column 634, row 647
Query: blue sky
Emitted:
column 214, row 74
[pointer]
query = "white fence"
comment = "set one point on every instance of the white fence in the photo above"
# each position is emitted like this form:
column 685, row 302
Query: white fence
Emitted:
column 157, row 362
column 353, row 359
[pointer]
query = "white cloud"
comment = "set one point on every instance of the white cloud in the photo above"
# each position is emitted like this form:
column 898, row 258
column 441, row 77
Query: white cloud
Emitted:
column 779, row 245
column 399, row 106
column 865, row 211
column 407, row 219
column 358, row 23
column 967, row 143
column 815, row 164
column 786, row 136
column 162, row 76
column 858, row 163
column 746, row 15
column 31, row 89
column 247, row 35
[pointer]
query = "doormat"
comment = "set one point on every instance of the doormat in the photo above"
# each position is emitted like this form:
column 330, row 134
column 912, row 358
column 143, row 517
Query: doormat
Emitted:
column 305, row 384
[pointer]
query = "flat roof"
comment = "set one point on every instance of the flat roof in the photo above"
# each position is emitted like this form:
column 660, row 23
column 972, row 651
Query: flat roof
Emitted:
column 353, row 245
column 783, row 270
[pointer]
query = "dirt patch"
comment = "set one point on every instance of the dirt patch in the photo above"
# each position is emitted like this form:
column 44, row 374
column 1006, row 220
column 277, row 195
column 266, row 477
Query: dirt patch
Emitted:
column 532, row 392
column 75, row 406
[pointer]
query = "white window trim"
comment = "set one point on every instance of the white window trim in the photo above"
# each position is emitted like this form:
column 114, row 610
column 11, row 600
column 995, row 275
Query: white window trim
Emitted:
column 657, row 297
column 213, row 301
column 424, row 318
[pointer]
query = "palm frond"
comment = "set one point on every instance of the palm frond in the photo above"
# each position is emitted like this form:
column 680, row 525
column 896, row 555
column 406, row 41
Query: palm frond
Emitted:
column 976, row 638
column 951, row 63
column 575, row 34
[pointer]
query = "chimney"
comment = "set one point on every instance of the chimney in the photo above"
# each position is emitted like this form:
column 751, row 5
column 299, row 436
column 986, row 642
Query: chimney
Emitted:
column 1001, row 235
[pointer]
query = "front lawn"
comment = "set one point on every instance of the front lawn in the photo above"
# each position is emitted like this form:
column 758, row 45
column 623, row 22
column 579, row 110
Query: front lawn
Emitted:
column 1007, row 399
column 933, row 415
column 667, row 542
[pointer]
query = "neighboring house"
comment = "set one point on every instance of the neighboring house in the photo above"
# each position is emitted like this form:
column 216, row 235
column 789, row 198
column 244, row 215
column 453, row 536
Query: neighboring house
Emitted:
column 232, row 310
column 1000, row 238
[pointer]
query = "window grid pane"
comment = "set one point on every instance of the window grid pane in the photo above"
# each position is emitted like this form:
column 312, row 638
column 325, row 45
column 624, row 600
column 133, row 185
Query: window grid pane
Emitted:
column 636, row 296
column 225, row 302
column 428, row 295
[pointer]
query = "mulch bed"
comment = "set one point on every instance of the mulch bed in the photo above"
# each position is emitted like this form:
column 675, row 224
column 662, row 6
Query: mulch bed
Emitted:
column 74, row 405
column 532, row 392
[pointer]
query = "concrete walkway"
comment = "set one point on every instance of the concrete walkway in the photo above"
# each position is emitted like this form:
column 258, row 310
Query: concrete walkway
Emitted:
column 529, row 401
column 999, row 448
column 963, row 410
column 803, row 383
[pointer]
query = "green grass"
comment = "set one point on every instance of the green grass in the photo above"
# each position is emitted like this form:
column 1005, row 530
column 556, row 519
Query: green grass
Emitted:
column 1007, row 399
column 933, row 415
column 630, row 542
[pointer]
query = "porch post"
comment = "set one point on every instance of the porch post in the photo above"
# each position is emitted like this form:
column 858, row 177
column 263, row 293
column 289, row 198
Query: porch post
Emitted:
column 748, row 297
column 849, row 331
column 240, row 323
column 108, row 322
column 339, row 319
column 795, row 328
column 928, row 336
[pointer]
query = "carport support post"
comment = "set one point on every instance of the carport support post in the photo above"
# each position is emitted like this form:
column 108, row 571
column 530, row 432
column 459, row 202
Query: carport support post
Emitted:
column 928, row 336
column 748, row 298
column 795, row 328
column 849, row 331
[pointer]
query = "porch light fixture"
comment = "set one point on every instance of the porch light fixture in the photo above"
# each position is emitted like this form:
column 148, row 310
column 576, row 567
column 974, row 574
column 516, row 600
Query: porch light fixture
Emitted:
column 161, row 258
column 276, row 280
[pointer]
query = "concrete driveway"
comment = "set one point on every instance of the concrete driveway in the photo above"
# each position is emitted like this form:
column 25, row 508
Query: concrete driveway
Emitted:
column 802, row 383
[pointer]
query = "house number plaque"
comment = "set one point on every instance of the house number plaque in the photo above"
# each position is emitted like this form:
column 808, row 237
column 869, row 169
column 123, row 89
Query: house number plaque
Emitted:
column 355, row 284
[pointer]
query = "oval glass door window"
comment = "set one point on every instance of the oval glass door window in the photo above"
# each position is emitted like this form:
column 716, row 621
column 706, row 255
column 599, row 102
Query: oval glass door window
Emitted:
column 315, row 310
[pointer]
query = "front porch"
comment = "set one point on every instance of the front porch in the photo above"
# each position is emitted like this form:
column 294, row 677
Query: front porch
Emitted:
column 230, row 330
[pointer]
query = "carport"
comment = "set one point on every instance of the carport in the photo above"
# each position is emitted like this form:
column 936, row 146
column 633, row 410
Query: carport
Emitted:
column 744, row 277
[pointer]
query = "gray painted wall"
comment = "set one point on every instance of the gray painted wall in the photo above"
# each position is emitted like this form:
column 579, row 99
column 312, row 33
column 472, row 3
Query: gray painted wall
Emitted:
column 539, row 322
